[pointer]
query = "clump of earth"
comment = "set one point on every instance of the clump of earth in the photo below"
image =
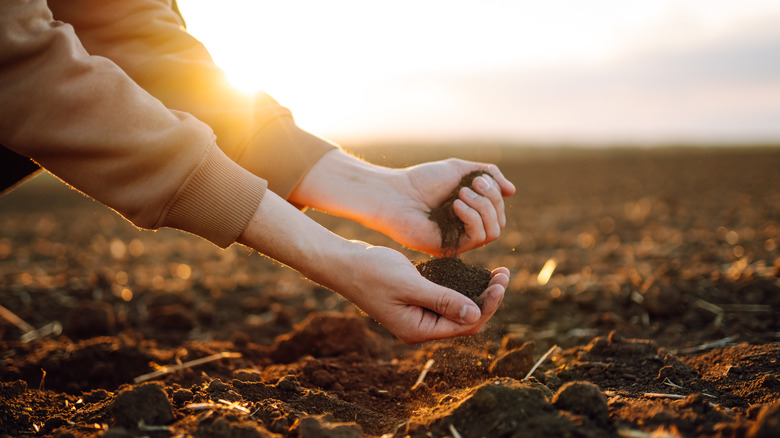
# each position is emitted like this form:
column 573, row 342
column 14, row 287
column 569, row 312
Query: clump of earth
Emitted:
column 453, row 273
column 450, row 271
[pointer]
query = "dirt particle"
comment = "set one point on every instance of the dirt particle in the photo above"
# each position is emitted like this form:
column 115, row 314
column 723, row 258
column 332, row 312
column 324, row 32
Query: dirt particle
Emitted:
column 147, row 403
column 248, row 376
column 583, row 398
column 324, row 426
column 53, row 423
column 13, row 389
column 329, row 334
column 95, row 396
column 216, row 426
column 676, row 371
column 514, row 363
column 770, row 381
column 768, row 422
column 289, row 384
column 218, row 390
column 182, row 396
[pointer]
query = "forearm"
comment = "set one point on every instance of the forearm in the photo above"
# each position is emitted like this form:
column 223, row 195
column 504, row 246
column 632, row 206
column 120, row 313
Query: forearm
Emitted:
column 280, row 231
column 345, row 186
column 85, row 121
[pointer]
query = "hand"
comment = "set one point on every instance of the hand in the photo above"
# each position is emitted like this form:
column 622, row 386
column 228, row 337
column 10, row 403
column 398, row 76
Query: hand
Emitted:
column 381, row 281
column 403, row 214
column 389, row 289
column 396, row 202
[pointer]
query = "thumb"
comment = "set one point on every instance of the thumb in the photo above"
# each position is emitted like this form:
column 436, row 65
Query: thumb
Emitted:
column 448, row 303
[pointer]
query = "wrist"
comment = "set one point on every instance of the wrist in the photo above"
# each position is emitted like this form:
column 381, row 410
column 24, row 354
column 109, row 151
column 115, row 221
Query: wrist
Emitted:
column 343, row 185
column 282, row 232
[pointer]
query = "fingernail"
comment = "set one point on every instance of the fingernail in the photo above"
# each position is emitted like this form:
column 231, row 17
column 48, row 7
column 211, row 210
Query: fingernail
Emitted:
column 470, row 193
column 480, row 183
column 469, row 314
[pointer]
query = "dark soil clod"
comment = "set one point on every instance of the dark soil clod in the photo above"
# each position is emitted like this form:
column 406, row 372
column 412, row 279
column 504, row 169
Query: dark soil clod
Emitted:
column 451, row 272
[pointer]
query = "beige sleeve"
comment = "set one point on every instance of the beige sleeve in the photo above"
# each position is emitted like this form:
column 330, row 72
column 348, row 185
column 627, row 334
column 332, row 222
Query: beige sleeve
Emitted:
column 146, row 38
column 83, row 119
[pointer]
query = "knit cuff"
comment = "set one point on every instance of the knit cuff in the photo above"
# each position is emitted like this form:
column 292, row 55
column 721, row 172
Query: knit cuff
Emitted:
column 217, row 200
column 282, row 153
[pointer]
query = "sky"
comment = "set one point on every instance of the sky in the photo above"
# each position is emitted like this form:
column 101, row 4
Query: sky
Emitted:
column 532, row 72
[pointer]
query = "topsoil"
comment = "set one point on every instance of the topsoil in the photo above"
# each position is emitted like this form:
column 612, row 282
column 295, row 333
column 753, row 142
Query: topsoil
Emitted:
column 450, row 226
column 659, row 306
column 452, row 272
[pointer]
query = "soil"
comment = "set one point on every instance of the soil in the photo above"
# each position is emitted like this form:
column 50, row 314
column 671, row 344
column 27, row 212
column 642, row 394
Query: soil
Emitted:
column 452, row 272
column 661, row 316
column 450, row 225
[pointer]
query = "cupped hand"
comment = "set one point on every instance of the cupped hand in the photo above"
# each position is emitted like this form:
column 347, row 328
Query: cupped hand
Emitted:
column 415, row 191
column 391, row 290
column 379, row 280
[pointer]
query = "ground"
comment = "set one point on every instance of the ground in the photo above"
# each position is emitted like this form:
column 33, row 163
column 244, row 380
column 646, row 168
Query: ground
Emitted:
column 650, row 276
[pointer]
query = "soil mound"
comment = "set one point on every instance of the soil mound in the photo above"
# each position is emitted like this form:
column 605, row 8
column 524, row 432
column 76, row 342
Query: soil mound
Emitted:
column 329, row 334
column 500, row 408
column 453, row 273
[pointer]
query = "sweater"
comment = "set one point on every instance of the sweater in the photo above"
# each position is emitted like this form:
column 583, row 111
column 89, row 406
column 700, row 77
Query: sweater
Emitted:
column 115, row 98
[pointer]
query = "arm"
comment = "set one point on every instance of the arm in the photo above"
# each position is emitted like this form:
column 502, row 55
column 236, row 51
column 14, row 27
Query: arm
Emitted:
column 85, row 121
column 147, row 40
column 381, row 281
column 397, row 201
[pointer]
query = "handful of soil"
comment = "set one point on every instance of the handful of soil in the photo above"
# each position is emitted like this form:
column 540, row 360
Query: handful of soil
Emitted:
column 450, row 225
column 453, row 273
column 450, row 271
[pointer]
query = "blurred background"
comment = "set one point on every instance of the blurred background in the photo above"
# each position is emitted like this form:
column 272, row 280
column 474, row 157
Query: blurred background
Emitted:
column 606, row 72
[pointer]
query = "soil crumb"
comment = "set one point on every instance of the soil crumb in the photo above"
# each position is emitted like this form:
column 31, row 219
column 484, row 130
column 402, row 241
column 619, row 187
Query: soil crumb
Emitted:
column 452, row 272
column 450, row 225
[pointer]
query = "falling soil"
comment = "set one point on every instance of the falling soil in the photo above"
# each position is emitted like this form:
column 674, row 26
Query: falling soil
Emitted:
column 452, row 272
column 450, row 225
column 662, row 316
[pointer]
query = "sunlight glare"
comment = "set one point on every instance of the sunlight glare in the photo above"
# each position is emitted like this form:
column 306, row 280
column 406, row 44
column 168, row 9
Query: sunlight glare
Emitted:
column 352, row 68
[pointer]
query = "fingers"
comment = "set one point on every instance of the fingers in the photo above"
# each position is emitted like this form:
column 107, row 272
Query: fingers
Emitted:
column 488, row 187
column 499, row 276
column 478, row 216
column 460, row 315
column 506, row 186
column 482, row 211
column 491, row 300
column 449, row 304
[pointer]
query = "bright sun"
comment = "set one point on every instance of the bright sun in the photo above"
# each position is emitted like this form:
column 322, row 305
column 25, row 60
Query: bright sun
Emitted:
column 348, row 65
column 271, row 47
column 353, row 69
